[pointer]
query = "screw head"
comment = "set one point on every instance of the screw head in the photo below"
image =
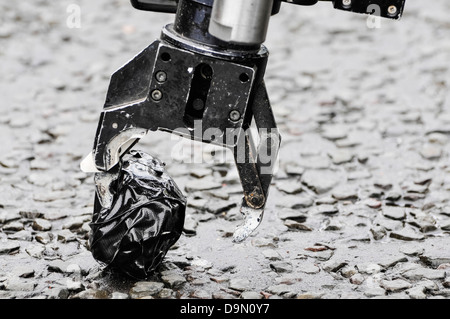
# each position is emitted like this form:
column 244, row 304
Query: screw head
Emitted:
column 157, row 95
column 161, row 76
column 235, row 115
column 346, row 3
column 198, row 104
column 392, row 10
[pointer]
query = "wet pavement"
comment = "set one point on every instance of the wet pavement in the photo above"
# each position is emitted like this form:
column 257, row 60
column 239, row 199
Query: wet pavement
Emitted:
column 359, row 206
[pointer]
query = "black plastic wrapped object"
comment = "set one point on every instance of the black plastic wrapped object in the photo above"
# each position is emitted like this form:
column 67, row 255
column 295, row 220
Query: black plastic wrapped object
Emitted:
column 138, row 215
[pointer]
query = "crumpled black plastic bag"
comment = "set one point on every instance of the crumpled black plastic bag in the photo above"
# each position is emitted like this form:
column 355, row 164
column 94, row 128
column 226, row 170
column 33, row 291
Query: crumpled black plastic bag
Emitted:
column 145, row 217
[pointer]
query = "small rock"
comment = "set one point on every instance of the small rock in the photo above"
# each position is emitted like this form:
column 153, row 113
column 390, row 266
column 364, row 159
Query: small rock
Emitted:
column 281, row 266
column 339, row 157
column 292, row 224
column 290, row 187
column 201, row 263
column 75, row 286
column 9, row 248
column 13, row 226
column 145, row 288
column 320, row 181
column 239, row 284
column 173, row 280
column 119, row 295
column 378, row 232
column 395, row 285
column 430, row 152
column 345, row 193
column 65, row 236
column 19, row 284
column 424, row 273
column 166, row 293
column 416, row 293
column 43, row 238
column 36, row 251
column 271, row 254
column 348, row 271
column 333, row 265
column 324, row 209
column 201, row 294
column 251, row 295
column 310, row 295
column 24, row 235
column 293, row 214
column 190, row 226
column 308, row 268
column 357, row 279
column 41, row 225
column 279, row 289
column 372, row 203
column 396, row 213
column 391, row 261
column 374, row 292
column 411, row 250
column 435, row 258
column 407, row 234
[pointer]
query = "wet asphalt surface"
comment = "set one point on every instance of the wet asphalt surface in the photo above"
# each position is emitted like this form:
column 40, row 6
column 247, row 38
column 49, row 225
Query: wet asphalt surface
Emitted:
column 359, row 206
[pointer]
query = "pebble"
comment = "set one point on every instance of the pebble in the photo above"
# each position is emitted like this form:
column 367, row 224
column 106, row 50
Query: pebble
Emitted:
column 308, row 268
column 333, row 265
column 145, row 288
column 430, row 151
column 9, row 247
column 416, row 293
column 174, row 281
column 293, row 225
column 119, row 295
column 65, row 235
column 13, row 226
column 280, row 289
column 320, row 181
column 424, row 273
column 396, row 213
column 239, row 284
column 339, row 157
column 324, row 209
column 292, row 214
column 357, row 279
column 374, row 292
column 281, row 266
column 290, row 187
column 271, row 254
column 348, row 271
column 378, row 232
column 21, row 235
column 41, row 225
column 251, row 295
column 407, row 234
column 35, row 251
column 395, row 285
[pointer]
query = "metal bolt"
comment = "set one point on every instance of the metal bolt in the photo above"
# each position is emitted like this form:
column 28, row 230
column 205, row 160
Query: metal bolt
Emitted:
column 198, row 104
column 235, row 115
column 392, row 10
column 157, row 95
column 115, row 125
column 161, row 76
column 346, row 3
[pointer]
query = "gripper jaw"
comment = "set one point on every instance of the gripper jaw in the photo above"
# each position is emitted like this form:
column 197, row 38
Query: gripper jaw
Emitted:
column 200, row 97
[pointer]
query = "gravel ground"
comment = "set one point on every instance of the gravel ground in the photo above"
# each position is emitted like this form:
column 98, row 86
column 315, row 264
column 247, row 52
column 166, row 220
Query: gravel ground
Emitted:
column 359, row 204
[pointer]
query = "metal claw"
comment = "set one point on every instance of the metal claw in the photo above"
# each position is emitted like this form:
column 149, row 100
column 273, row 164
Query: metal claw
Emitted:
column 252, row 219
